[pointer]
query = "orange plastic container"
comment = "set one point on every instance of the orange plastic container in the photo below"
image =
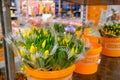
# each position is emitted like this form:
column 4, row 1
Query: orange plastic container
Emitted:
column 87, row 32
column 92, row 39
column 89, row 65
column 111, row 46
column 93, row 54
column 65, row 74
column 1, row 54
column 78, row 33
column 95, row 49
column 86, row 68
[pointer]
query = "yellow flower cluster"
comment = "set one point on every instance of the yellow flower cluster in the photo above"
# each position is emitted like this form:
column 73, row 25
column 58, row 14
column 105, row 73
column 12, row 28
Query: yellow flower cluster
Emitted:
column 27, row 32
column 33, row 49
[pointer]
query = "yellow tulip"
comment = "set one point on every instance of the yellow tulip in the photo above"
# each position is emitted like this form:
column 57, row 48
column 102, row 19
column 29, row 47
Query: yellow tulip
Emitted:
column 43, row 44
column 34, row 27
column 24, row 33
column 72, row 52
column 58, row 38
column 63, row 41
column 30, row 31
column 76, row 50
column 22, row 53
column 45, row 32
column 17, row 32
column 22, row 68
column 32, row 57
column 46, row 53
column 27, row 32
column 33, row 49
column 67, row 40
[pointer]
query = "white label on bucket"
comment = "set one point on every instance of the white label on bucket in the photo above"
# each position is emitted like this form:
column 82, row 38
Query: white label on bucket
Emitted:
column 112, row 46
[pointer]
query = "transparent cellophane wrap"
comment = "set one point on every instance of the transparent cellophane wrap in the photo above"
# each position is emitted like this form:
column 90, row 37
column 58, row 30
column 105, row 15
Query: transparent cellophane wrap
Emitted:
column 45, row 47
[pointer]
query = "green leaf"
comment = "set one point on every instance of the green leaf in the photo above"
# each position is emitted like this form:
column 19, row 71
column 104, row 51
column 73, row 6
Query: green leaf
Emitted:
column 40, row 62
column 50, row 62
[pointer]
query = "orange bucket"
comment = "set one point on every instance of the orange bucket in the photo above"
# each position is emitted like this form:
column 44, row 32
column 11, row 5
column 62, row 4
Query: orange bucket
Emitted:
column 95, row 49
column 86, row 68
column 87, row 32
column 92, row 39
column 93, row 54
column 1, row 54
column 111, row 46
column 89, row 64
column 65, row 74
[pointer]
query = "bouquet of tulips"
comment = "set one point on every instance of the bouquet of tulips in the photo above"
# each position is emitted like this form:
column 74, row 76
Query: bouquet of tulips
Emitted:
column 111, row 29
column 45, row 48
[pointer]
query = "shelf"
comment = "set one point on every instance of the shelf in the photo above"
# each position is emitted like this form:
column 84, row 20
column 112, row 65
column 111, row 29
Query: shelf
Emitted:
column 13, row 8
column 96, row 2
column 69, row 10
column 14, row 16
column 64, row 4
column 77, row 11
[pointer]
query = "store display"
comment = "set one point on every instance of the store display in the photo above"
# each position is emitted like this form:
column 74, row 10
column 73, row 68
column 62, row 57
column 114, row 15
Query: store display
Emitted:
column 110, row 30
column 110, row 39
column 35, row 21
column 54, row 40
column 110, row 52
column 42, row 49
column 66, row 8
column 36, row 7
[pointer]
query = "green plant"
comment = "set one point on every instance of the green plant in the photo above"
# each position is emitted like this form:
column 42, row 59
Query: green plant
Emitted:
column 67, row 27
column 61, row 28
column 110, row 30
column 46, row 49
